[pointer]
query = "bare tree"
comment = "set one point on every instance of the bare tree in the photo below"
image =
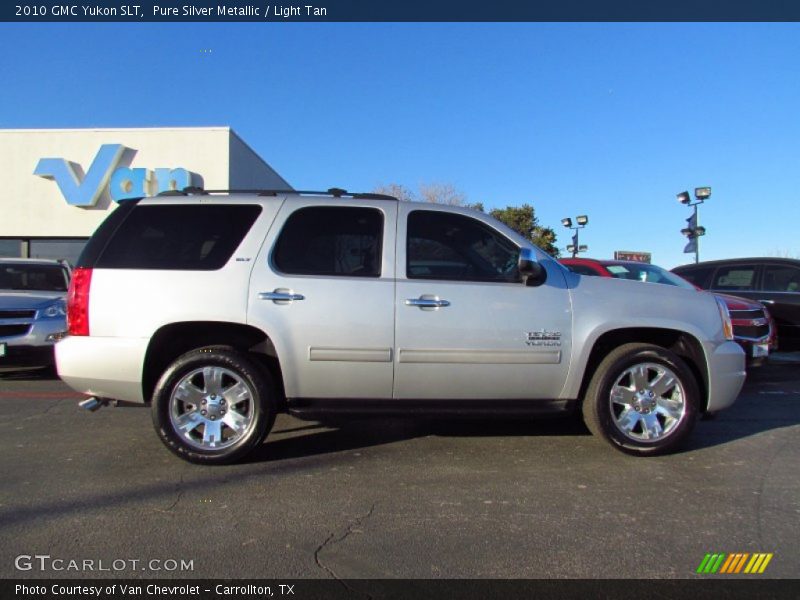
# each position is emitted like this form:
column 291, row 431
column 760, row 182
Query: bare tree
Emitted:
column 397, row 190
column 442, row 193
column 435, row 193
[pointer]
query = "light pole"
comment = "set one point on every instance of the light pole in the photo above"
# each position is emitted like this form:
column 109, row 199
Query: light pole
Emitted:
column 694, row 231
column 582, row 221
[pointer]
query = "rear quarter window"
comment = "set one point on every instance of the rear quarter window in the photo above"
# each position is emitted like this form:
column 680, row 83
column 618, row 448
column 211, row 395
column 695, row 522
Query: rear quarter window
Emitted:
column 178, row 237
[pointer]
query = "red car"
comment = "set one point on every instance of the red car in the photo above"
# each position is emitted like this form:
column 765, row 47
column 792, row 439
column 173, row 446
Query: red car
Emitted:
column 753, row 327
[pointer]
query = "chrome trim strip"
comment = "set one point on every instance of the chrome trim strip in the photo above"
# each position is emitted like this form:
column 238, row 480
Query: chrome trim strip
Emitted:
column 479, row 357
column 350, row 354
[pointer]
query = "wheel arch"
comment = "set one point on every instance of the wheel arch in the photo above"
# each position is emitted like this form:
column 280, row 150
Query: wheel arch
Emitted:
column 683, row 344
column 172, row 340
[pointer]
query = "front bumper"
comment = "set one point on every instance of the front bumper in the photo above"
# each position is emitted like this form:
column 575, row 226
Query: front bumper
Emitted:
column 35, row 348
column 755, row 350
column 726, row 374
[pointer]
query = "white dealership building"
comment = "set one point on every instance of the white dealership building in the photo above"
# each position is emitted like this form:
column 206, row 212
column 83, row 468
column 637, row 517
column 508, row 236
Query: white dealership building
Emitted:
column 61, row 183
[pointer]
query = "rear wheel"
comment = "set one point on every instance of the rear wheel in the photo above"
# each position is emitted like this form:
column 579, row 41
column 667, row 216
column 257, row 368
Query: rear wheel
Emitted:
column 642, row 399
column 213, row 405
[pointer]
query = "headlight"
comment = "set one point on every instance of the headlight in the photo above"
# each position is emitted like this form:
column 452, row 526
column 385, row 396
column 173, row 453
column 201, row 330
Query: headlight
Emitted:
column 727, row 326
column 59, row 309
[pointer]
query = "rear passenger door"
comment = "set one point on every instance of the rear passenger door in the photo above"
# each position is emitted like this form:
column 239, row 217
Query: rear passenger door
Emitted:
column 323, row 288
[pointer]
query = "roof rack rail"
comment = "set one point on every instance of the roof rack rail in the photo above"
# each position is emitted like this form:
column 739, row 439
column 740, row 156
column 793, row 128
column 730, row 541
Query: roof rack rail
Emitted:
column 335, row 192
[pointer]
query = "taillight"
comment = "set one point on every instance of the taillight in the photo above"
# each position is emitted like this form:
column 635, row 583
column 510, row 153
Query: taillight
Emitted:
column 78, row 302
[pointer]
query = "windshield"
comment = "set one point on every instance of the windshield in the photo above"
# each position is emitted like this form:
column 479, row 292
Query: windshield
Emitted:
column 649, row 273
column 33, row 278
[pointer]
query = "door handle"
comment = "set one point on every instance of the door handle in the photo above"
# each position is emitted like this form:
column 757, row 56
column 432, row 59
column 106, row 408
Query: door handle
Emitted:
column 434, row 302
column 767, row 301
column 281, row 296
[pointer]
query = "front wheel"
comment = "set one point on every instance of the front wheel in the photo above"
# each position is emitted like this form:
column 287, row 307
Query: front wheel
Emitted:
column 642, row 399
column 213, row 405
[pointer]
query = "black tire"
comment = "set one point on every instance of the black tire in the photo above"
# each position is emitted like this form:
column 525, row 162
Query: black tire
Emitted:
column 607, row 419
column 232, row 368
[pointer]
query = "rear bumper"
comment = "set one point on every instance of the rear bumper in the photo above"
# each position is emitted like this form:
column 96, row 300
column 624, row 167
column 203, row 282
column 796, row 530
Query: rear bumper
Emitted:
column 726, row 375
column 103, row 367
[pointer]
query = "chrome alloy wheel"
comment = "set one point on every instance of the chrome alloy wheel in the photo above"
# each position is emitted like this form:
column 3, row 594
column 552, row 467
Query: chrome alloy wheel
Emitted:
column 648, row 402
column 211, row 408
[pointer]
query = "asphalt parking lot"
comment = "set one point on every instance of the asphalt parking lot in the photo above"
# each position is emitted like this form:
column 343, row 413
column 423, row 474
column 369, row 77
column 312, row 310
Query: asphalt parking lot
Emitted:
column 386, row 499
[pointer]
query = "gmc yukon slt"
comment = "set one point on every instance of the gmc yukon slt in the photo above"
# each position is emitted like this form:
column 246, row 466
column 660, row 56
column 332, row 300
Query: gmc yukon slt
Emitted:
column 220, row 310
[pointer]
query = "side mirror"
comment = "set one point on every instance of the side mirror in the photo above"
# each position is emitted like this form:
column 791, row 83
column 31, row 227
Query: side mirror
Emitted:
column 532, row 272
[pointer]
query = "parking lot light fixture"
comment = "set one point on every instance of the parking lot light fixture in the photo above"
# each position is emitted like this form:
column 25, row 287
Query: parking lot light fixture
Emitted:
column 702, row 193
column 694, row 231
column 574, row 248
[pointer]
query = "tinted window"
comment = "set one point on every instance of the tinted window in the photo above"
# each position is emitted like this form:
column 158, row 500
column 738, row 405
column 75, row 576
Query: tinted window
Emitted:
column 697, row 275
column 33, row 278
column 781, row 278
column 94, row 247
column 582, row 269
column 181, row 237
column 331, row 240
column 447, row 246
column 738, row 277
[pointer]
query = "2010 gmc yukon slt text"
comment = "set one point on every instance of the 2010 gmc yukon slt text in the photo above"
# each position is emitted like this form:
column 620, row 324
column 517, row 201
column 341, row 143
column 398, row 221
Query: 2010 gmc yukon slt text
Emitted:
column 222, row 310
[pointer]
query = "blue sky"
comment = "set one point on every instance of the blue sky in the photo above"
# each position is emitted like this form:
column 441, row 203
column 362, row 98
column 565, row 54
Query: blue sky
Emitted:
column 610, row 120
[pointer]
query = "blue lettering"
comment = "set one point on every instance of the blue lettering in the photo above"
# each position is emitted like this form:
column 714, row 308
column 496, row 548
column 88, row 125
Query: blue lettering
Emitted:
column 170, row 180
column 127, row 183
column 85, row 192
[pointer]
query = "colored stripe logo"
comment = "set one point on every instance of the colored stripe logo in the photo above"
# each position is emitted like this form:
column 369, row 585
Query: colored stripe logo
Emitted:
column 737, row 562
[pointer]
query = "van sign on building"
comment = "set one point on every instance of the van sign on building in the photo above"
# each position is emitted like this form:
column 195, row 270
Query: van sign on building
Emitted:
column 60, row 184
column 123, row 183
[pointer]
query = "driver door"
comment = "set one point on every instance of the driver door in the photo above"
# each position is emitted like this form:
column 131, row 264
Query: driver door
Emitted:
column 466, row 327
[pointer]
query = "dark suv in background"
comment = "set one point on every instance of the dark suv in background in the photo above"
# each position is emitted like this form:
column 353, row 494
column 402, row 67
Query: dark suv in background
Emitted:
column 774, row 282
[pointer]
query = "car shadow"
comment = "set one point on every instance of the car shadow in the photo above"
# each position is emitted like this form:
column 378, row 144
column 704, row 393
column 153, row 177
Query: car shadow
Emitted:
column 330, row 437
column 767, row 403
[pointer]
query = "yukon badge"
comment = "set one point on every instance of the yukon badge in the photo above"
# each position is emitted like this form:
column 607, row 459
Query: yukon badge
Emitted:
column 543, row 337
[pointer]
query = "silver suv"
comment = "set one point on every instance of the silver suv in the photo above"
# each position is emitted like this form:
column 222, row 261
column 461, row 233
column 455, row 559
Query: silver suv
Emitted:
column 32, row 310
column 221, row 310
